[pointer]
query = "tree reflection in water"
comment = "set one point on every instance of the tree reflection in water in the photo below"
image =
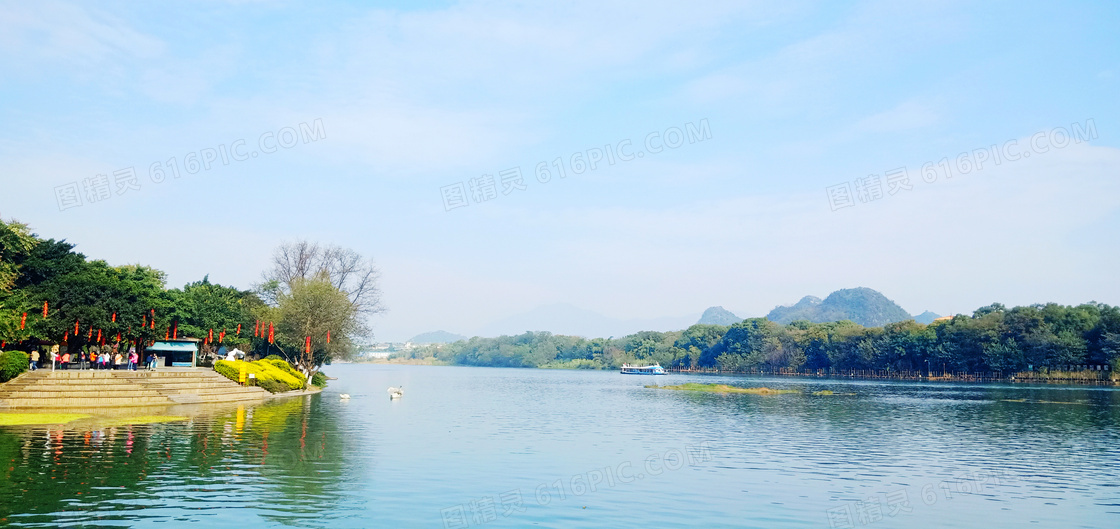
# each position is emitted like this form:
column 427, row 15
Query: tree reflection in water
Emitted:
column 281, row 461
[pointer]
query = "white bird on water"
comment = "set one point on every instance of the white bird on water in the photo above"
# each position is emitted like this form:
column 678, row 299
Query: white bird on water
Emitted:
column 395, row 392
column 344, row 396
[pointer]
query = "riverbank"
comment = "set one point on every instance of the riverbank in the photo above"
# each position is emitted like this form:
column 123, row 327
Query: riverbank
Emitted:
column 70, row 389
column 1073, row 378
column 1077, row 378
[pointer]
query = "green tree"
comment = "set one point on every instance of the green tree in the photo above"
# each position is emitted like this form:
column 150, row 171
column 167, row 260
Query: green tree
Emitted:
column 313, row 308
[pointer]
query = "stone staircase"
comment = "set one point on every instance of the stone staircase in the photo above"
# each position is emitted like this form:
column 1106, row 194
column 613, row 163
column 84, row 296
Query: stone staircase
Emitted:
column 72, row 388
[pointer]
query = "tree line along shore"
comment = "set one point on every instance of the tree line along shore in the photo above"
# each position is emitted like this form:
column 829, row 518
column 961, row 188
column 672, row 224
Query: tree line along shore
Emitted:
column 308, row 309
column 1048, row 341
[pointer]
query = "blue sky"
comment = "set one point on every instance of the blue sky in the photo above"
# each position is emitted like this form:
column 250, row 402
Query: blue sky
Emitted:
column 799, row 97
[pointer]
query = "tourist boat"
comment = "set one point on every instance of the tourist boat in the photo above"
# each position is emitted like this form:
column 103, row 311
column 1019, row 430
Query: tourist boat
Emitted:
column 654, row 369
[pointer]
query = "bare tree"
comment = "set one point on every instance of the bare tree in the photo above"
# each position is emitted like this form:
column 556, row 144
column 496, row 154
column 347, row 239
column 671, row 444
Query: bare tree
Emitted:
column 346, row 269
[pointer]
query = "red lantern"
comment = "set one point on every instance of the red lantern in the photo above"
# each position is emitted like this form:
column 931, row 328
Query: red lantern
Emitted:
column 210, row 337
column 23, row 321
column 239, row 329
column 271, row 333
column 167, row 334
column 114, row 320
column 98, row 335
column 308, row 345
column 75, row 327
column 328, row 337
column 45, row 305
column 175, row 330
column 222, row 337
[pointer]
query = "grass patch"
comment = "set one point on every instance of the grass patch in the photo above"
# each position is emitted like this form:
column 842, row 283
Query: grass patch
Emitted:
column 724, row 388
column 22, row 419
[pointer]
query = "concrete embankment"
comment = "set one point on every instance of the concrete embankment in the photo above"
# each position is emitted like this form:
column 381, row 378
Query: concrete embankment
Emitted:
column 70, row 388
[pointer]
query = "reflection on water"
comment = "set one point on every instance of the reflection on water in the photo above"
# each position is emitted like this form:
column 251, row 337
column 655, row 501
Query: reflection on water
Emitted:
column 282, row 459
column 474, row 447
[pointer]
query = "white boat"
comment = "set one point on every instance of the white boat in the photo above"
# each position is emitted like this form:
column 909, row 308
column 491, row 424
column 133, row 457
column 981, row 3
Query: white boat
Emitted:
column 654, row 369
column 396, row 393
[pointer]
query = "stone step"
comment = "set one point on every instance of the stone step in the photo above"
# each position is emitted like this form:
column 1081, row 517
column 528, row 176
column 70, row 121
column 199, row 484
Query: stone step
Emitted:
column 92, row 393
column 77, row 382
column 59, row 402
column 225, row 398
column 104, row 388
column 236, row 390
column 168, row 374
column 180, row 388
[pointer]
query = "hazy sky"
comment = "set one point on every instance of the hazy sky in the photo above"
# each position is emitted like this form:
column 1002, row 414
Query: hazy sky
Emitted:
column 796, row 104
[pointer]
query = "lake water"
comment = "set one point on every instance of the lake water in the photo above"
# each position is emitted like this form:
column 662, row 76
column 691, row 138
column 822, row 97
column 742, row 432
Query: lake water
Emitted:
column 480, row 447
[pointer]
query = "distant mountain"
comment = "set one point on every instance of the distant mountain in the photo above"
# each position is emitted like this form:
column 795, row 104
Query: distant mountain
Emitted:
column 437, row 337
column 864, row 306
column 718, row 316
column 926, row 317
column 563, row 318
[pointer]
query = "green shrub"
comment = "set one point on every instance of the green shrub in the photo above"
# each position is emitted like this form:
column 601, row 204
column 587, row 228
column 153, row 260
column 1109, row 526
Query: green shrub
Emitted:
column 273, row 386
column 273, row 357
column 263, row 372
column 319, row 380
column 283, row 365
column 12, row 363
column 227, row 369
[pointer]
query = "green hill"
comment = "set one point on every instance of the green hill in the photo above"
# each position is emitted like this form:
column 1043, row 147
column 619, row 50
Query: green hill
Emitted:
column 864, row 306
column 926, row 317
column 718, row 316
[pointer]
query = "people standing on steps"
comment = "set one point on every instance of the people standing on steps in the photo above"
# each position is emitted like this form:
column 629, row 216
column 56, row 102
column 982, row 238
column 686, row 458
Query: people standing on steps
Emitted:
column 34, row 359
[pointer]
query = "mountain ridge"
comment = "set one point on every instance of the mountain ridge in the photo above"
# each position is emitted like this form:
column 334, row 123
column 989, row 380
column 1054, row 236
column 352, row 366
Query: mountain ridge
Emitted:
column 865, row 306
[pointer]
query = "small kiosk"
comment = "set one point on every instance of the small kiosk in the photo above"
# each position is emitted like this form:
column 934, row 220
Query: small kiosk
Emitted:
column 181, row 352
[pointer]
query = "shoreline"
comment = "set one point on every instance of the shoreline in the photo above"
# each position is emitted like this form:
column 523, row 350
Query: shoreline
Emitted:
column 65, row 390
column 973, row 379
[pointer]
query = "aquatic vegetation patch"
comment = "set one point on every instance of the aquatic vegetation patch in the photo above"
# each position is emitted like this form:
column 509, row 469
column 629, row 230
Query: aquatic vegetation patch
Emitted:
column 1044, row 402
column 21, row 419
column 724, row 388
column 829, row 392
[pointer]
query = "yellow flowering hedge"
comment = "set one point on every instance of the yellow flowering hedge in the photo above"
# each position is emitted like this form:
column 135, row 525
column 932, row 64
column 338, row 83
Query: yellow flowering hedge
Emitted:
column 267, row 374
